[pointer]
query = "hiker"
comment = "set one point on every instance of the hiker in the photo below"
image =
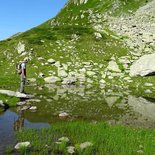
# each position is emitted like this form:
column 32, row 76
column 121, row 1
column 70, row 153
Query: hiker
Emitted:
column 21, row 69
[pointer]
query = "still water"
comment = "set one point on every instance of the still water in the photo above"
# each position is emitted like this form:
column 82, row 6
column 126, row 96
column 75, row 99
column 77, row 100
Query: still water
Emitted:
column 81, row 103
column 7, row 128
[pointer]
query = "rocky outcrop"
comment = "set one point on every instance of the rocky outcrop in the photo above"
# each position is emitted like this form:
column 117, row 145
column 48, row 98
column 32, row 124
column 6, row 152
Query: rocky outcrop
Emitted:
column 20, row 48
column 138, row 27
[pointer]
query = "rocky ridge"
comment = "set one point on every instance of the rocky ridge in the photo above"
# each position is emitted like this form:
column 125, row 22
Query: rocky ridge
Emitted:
column 139, row 36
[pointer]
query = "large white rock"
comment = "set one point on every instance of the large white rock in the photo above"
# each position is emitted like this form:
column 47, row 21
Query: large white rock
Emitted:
column 15, row 94
column 144, row 66
column 20, row 48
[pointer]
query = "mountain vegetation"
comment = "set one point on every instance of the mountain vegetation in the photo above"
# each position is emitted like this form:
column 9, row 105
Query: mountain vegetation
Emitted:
column 86, row 43
column 102, row 43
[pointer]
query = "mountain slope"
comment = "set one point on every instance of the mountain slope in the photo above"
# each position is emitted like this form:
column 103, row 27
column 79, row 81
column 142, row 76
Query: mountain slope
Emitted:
column 84, row 44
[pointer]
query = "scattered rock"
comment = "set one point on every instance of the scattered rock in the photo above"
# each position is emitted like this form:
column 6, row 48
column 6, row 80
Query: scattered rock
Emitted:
column 102, row 81
column 41, row 75
column 62, row 73
column 112, row 66
column 22, row 144
column 87, row 63
column 140, row 152
column 85, row 145
column 63, row 114
column 33, row 108
column 2, row 103
column 98, row 35
column 32, row 80
column 51, row 61
column 64, row 139
column 33, row 100
column 69, row 80
column 148, row 91
column 148, row 84
column 24, row 108
column 71, row 149
column 21, row 103
column 52, row 79
column 91, row 73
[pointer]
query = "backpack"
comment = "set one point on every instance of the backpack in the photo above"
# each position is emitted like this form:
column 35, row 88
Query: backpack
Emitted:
column 18, row 68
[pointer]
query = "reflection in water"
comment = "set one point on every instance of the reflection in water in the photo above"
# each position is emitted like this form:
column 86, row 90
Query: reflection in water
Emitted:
column 7, row 123
column 18, row 124
column 145, row 108
column 94, row 104
column 110, row 104
column 88, row 103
